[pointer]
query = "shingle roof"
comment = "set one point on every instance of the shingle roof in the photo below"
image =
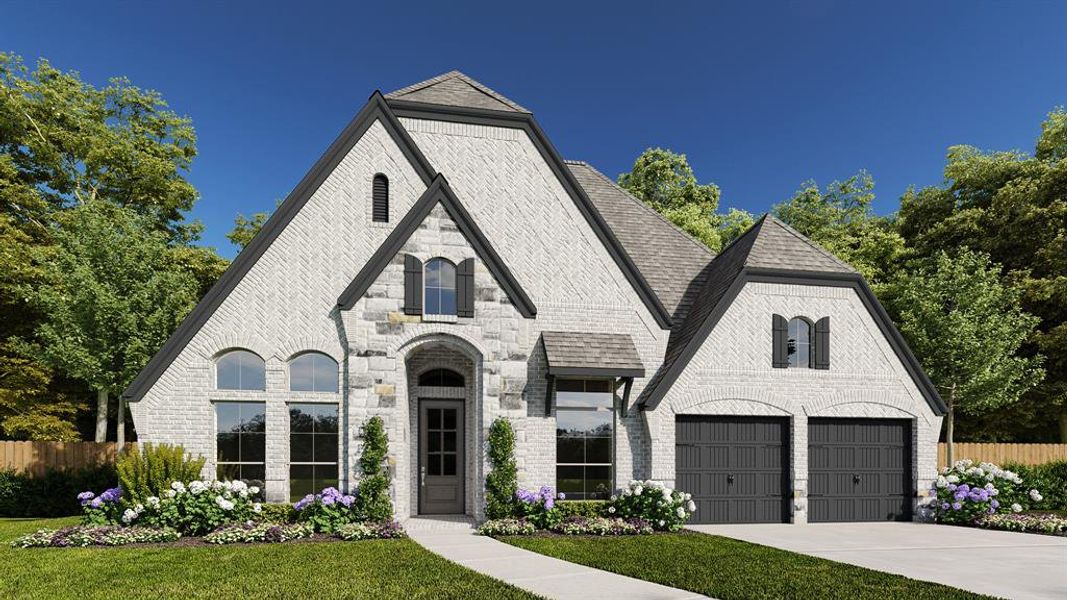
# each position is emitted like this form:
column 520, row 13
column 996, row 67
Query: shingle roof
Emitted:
column 768, row 244
column 456, row 89
column 670, row 260
column 577, row 353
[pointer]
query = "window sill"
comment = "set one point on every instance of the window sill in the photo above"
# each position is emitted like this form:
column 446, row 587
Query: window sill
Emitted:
column 440, row 318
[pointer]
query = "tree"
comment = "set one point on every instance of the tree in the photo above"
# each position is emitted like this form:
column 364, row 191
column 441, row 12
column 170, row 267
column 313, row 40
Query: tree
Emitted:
column 966, row 326
column 665, row 181
column 112, row 294
column 841, row 219
column 246, row 228
column 1012, row 206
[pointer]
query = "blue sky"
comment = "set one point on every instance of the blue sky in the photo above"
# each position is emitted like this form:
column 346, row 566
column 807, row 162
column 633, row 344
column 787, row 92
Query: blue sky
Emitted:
column 760, row 95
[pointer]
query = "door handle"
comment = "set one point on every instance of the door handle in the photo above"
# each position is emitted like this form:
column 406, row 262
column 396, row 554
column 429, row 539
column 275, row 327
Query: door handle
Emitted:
column 855, row 478
column 729, row 478
column 422, row 477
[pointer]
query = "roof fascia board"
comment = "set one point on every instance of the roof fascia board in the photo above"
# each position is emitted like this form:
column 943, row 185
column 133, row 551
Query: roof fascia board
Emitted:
column 376, row 109
column 814, row 278
column 594, row 372
column 526, row 122
column 438, row 191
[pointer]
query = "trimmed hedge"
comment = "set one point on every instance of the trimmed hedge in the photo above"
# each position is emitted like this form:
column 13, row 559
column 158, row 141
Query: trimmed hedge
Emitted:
column 55, row 494
column 582, row 508
column 277, row 513
column 1050, row 479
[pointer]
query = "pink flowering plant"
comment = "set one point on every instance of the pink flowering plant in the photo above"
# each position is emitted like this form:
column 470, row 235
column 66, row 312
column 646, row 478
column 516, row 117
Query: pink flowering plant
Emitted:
column 965, row 493
column 663, row 508
column 328, row 510
column 539, row 507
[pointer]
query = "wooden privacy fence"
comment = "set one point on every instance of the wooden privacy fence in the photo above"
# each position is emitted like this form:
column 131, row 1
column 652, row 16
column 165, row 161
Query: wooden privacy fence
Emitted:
column 1026, row 454
column 37, row 457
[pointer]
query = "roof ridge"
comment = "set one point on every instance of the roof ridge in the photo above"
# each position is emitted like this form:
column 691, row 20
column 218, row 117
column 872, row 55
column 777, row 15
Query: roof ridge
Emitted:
column 809, row 242
column 644, row 206
column 455, row 74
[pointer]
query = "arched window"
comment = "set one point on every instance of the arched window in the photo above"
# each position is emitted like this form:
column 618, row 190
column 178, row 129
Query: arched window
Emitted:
column 799, row 344
column 440, row 287
column 240, row 370
column 313, row 372
column 441, row 378
column 380, row 199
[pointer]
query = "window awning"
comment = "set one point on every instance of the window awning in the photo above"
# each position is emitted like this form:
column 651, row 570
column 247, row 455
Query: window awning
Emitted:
column 580, row 354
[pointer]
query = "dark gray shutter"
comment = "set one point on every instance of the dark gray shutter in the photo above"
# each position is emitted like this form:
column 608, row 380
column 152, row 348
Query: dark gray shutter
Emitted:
column 780, row 340
column 412, row 285
column 465, row 288
column 822, row 344
column 380, row 199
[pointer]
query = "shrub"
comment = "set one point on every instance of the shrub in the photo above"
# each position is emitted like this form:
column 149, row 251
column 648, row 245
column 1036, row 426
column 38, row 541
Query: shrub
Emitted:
column 79, row 536
column 327, row 510
column 277, row 513
column 373, row 501
column 664, row 508
column 582, row 508
column 105, row 509
column 602, row 526
column 381, row 530
column 1050, row 478
column 1025, row 522
column 495, row 527
column 54, row 494
column 964, row 492
column 539, row 507
column 247, row 533
column 149, row 472
column 501, row 483
column 195, row 509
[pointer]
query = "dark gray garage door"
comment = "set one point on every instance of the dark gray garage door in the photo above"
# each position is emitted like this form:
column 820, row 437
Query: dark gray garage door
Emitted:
column 735, row 467
column 859, row 470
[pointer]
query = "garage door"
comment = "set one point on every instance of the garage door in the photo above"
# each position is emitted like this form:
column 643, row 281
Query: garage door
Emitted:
column 859, row 470
column 735, row 467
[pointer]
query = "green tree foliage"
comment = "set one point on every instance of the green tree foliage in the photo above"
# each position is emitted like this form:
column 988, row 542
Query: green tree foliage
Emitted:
column 149, row 470
column 373, row 499
column 502, row 481
column 1012, row 206
column 842, row 220
column 246, row 228
column 665, row 181
column 966, row 326
column 111, row 294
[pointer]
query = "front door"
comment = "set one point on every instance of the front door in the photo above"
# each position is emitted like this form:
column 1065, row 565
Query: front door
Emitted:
column 441, row 456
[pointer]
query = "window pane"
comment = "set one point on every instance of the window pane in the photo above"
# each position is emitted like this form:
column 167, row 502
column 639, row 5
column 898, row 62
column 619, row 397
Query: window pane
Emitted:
column 227, row 447
column 570, row 450
column 227, row 370
column 597, row 482
column 325, row 374
column 602, row 386
column 449, row 464
column 253, row 475
column 441, row 378
column 326, row 447
column 799, row 343
column 435, row 418
column 325, row 476
column 302, row 374
column 448, row 275
column 253, row 447
column 228, row 472
column 434, row 441
column 585, row 422
column 228, row 416
column 598, row 450
column 240, row 370
column 299, row 420
column 253, row 373
column 301, row 481
column 301, row 447
column 449, row 441
column 253, row 417
column 449, row 418
column 433, row 273
column 326, row 421
column 570, row 481
column 434, row 464
column 448, row 301
column 433, row 301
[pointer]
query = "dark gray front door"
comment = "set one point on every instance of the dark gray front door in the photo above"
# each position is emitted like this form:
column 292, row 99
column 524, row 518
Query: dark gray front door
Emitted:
column 859, row 470
column 441, row 470
column 735, row 467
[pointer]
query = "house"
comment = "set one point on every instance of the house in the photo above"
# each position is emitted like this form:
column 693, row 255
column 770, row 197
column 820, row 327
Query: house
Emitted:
column 441, row 266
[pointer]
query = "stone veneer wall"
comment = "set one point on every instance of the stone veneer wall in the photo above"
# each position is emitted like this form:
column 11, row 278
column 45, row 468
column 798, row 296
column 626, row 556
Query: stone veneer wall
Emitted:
column 732, row 375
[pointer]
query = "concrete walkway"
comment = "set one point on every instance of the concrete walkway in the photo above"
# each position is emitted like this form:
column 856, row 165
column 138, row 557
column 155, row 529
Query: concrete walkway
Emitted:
column 998, row 563
column 454, row 538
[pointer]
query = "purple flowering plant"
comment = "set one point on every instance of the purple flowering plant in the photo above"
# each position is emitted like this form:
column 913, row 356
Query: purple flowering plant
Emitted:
column 193, row 509
column 966, row 492
column 328, row 510
column 539, row 507
column 105, row 509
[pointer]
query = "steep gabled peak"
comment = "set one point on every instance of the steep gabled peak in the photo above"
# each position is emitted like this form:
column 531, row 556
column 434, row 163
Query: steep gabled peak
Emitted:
column 456, row 89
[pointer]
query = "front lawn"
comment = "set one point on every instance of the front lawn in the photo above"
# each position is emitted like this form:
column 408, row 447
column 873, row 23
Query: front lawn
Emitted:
column 730, row 569
column 363, row 569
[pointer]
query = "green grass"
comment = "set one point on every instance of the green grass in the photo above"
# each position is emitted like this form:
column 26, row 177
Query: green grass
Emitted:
column 364, row 569
column 733, row 570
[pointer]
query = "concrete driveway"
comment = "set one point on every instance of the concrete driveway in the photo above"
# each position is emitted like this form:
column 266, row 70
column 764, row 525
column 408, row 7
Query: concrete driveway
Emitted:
column 998, row 563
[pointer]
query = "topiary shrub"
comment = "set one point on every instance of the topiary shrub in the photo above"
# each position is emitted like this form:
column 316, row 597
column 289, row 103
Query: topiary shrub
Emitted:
column 54, row 494
column 149, row 472
column 277, row 513
column 372, row 501
column 501, row 483
column 582, row 508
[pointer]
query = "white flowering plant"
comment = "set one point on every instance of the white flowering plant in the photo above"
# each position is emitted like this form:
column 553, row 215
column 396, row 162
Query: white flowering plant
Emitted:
column 663, row 508
column 966, row 492
column 191, row 509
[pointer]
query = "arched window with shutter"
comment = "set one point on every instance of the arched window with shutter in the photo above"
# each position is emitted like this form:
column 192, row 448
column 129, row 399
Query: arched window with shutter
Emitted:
column 380, row 199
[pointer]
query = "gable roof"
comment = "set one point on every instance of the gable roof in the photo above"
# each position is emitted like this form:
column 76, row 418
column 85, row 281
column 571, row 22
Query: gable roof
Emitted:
column 771, row 251
column 671, row 260
column 438, row 192
column 376, row 109
column 456, row 89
